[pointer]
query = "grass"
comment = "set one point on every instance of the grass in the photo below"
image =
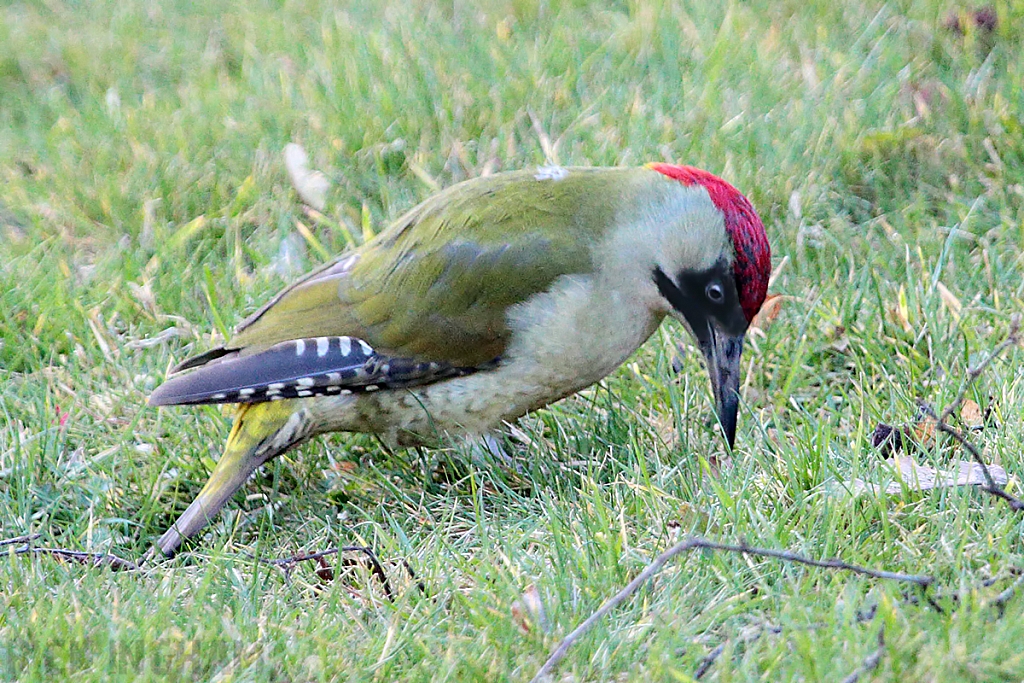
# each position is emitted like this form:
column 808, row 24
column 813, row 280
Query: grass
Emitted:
column 142, row 189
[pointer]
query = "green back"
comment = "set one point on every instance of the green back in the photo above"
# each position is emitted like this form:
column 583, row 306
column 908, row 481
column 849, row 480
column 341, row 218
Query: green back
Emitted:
column 436, row 284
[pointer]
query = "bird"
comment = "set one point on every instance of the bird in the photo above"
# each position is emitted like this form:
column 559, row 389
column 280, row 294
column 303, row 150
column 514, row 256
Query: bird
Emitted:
column 491, row 299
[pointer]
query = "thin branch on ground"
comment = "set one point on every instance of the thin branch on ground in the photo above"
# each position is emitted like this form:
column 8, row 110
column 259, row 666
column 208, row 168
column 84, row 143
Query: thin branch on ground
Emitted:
column 991, row 487
column 705, row 664
column 956, row 597
column 694, row 542
column 113, row 561
column 370, row 560
column 999, row 602
column 1013, row 338
column 942, row 419
column 295, row 559
column 870, row 662
column 288, row 563
column 19, row 539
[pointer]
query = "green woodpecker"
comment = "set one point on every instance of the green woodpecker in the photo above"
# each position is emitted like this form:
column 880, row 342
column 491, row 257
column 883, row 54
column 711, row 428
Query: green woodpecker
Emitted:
column 492, row 298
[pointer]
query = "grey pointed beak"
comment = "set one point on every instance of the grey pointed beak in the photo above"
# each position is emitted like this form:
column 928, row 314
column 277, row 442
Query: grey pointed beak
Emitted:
column 722, row 354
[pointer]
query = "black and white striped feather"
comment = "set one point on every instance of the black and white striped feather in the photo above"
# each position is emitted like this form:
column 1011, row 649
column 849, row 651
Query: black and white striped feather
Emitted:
column 298, row 368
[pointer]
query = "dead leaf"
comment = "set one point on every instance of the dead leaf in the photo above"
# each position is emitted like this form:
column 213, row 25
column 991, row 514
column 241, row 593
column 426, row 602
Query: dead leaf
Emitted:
column 924, row 430
column 718, row 464
column 344, row 466
column 901, row 311
column 325, row 572
column 503, row 29
column 917, row 477
column 311, row 185
column 769, row 311
column 970, row 413
column 143, row 295
column 887, row 438
column 949, row 300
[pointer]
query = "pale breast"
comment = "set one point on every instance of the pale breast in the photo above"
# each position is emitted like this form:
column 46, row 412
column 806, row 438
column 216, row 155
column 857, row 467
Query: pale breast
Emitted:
column 563, row 340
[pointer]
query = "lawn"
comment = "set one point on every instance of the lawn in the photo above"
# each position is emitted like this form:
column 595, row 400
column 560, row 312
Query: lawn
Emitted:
column 145, row 210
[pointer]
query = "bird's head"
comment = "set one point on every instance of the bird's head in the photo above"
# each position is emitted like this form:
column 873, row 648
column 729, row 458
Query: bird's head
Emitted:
column 717, row 281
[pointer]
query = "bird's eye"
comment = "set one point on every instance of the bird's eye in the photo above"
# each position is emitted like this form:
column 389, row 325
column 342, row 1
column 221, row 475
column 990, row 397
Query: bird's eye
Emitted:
column 715, row 293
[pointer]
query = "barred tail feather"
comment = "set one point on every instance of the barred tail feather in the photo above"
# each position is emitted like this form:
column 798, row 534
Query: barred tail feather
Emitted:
column 298, row 368
column 292, row 369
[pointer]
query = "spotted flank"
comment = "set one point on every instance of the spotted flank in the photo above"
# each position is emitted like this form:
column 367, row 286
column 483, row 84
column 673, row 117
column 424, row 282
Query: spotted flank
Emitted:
column 298, row 368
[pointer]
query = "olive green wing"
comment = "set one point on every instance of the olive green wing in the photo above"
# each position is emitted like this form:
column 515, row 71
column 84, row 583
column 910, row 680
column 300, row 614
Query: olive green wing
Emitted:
column 309, row 307
column 437, row 284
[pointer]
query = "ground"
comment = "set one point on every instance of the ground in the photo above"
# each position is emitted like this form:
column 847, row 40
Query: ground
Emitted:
column 145, row 210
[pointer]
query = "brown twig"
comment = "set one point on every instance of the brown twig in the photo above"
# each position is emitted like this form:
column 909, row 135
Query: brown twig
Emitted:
column 288, row 563
column 19, row 539
column 999, row 602
column 921, row 580
column 705, row 664
column 870, row 662
column 691, row 543
column 942, row 420
column 376, row 568
column 990, row 486
column 1012, row 338
column 113, row 561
